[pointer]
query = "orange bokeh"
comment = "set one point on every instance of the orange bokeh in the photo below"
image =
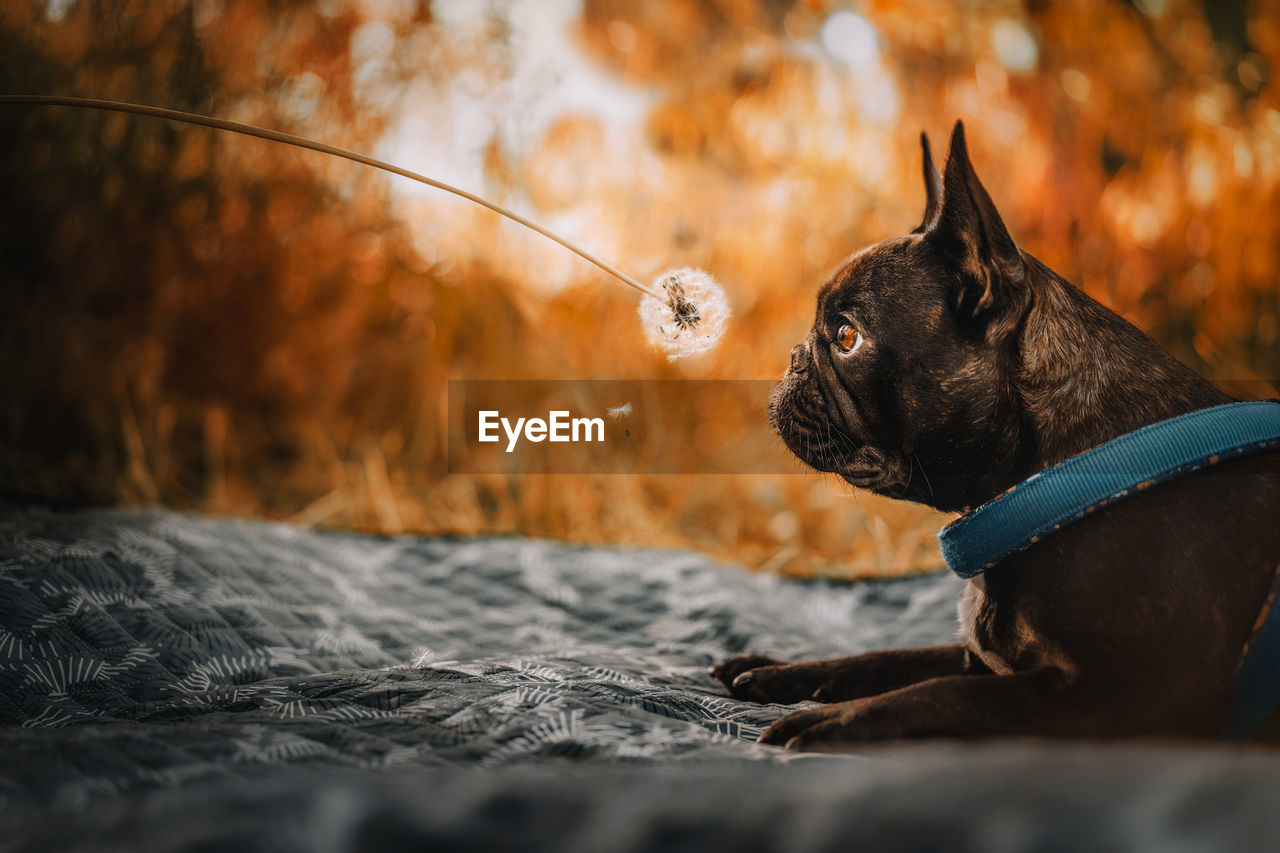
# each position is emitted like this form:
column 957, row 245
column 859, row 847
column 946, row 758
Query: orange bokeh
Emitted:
column 223, row 324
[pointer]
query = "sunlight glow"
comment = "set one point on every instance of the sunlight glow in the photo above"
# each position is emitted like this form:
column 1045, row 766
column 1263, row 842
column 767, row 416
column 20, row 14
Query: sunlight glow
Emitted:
column 1014, row 45
column 545, row 76
column 850, row 38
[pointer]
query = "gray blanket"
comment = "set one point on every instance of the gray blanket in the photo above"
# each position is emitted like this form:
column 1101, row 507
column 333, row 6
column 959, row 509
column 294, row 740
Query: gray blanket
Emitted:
column 169, row 681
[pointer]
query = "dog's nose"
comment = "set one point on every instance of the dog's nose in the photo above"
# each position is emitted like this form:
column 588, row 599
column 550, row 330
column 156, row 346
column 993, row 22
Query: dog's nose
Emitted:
column 799, row 358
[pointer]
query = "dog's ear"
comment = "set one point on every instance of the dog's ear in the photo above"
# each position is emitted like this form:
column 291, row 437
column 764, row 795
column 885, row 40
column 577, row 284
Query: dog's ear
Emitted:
column 932, row 188
column 970, row 234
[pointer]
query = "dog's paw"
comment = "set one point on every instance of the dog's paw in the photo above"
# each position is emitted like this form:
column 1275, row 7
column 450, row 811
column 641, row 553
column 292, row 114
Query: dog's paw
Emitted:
column 726, row 672
column 831, row 728
column 760, row 679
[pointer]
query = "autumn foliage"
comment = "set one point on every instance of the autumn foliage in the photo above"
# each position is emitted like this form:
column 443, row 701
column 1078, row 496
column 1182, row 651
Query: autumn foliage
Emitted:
column 223, row 324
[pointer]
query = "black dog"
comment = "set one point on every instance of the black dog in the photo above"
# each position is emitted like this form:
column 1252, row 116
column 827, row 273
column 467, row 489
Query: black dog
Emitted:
column 947, row 365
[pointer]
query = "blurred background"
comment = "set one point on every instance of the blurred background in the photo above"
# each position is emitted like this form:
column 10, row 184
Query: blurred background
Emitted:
column 223, row 324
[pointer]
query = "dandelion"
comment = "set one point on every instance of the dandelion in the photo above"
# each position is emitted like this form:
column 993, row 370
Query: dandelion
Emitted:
column 684, row 313
column 620, row 411
column 690, row 315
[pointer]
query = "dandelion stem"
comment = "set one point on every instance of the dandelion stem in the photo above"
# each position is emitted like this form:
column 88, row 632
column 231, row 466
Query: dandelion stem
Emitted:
column 303, row 142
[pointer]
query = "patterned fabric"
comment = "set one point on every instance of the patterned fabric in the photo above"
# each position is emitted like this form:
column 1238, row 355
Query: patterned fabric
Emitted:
column 177, row 683
column 146, row 649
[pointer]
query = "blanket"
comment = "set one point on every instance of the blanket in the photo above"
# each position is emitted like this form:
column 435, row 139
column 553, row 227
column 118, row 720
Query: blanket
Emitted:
column 169, row 681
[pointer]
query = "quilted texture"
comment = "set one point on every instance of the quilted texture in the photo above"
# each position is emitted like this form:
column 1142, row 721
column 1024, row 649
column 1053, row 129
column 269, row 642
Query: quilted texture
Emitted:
column 143, row 648
column 169, row 682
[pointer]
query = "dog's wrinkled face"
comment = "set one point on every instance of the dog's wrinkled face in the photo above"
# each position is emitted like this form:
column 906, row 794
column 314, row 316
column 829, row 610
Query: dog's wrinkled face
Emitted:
column 902, row 385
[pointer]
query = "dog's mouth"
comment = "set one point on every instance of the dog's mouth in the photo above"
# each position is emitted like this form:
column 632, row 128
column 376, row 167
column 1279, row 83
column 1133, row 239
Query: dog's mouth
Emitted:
column 863, row 477
column 802, row 418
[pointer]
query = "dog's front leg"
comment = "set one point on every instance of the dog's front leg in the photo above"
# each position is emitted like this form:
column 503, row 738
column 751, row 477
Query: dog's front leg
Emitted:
column 1036, row 702
column 762, row 679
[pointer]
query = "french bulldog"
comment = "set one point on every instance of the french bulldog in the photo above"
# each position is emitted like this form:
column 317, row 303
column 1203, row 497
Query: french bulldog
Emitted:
column 944, row 367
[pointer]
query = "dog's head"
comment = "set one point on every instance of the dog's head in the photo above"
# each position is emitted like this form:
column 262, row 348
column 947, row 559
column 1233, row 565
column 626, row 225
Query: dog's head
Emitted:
column 903, row 385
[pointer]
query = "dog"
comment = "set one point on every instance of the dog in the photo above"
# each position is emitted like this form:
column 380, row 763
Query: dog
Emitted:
column 944, row 367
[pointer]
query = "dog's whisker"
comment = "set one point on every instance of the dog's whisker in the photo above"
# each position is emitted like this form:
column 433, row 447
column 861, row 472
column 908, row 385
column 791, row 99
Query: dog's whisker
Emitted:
column 923, row 473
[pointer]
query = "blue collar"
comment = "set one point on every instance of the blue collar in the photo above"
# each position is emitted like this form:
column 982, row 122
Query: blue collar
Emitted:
column 1055, row 497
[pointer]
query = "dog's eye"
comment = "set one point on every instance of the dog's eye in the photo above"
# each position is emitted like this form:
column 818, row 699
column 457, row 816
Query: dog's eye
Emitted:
column 848, row 339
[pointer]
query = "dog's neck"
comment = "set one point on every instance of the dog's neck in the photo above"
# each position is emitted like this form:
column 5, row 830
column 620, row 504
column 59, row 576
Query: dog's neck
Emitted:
column 1087, row 376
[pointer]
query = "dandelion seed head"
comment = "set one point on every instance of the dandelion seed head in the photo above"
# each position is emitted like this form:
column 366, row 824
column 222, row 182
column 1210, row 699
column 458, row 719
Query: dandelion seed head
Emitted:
column 620, row 411
column 691, row 316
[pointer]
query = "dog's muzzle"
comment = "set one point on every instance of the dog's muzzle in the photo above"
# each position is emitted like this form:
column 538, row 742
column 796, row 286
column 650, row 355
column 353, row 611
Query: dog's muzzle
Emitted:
column 800, row 414
column 800, row 358
column 806, row 420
